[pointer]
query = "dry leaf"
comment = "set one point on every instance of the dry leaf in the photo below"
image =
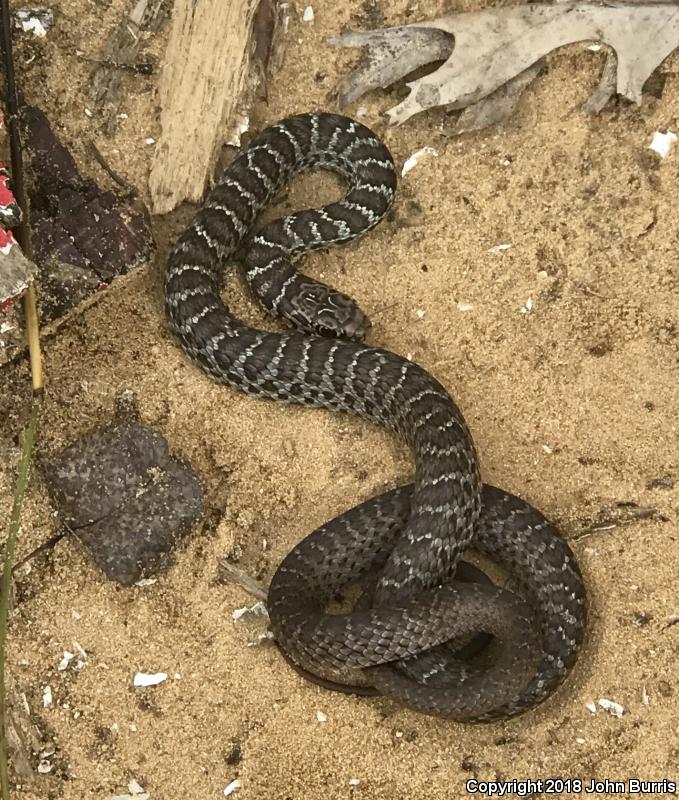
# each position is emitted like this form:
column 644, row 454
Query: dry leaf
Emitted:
column 495, row 47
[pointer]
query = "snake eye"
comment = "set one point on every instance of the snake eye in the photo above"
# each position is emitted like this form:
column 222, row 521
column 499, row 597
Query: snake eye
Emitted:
column 324, row 330
column 325, row 324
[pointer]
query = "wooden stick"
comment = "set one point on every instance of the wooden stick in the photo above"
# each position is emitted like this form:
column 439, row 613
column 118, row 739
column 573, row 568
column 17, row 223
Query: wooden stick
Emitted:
column 201, row 84
column 33, row 334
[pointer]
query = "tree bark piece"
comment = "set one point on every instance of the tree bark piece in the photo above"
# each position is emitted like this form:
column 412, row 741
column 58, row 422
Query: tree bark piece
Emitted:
column 201, row 84
column 121, row 51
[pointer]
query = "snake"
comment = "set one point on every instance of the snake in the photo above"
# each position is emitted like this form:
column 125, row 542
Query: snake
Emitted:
column 405, row 636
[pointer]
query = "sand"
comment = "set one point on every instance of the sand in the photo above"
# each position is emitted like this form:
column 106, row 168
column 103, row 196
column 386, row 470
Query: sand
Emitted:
column 562, row 351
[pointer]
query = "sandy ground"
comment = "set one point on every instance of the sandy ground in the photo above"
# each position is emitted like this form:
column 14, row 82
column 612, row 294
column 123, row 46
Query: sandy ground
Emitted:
column 572, row 405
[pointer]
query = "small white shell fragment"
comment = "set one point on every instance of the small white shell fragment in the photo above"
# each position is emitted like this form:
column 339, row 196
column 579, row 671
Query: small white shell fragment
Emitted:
column 241, row 126
column 321, row 717
column 261, row 637
column 149, row 678
column 612, row 707
column 149, row 140
column 645, row 699
column 142, row 796
column 415, row 158
column 547, row 449
column 594, row 47
column 76, row 615
column 234, row 786
column 134, row 787
column 498, row 248
column 663, row 142
column 465, row 306
column 145, row 796
column 580, row 740
column 65, row 661
column 354, row 782
column 308, row 15
column 591, row 707
column 35, row 20
column 88, row 113
column 528, row 307
column 256, row 610
column 44, row 767
column 47, row 696
column 146, row 582
column 420, row 313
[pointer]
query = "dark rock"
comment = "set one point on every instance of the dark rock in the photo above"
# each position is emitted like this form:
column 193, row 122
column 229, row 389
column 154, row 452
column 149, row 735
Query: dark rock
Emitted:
column 126, row 499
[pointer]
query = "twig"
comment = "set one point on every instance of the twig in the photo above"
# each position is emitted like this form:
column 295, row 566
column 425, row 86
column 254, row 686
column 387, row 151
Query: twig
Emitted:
column 234, row 575
column 385, row 308
column 41, row 548
column 132, row 190
column 33, row 332
column 635, row 514
column 48, row 544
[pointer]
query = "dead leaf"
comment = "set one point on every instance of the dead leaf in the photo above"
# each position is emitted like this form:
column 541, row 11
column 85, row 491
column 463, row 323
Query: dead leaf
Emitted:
column 84, row 236
column 498, row 105
column 496, row 46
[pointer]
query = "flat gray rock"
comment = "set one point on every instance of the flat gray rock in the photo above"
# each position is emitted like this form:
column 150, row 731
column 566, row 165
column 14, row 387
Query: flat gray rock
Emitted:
column 126, row 499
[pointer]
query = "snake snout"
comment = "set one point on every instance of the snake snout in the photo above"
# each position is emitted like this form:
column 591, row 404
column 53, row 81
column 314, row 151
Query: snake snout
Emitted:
column 335, row 316
column 357, row 327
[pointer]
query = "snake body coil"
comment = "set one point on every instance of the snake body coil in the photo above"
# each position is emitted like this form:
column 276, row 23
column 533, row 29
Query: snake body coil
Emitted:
column 406, row 635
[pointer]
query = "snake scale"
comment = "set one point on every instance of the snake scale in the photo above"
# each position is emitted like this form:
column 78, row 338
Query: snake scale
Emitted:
column 405, row 637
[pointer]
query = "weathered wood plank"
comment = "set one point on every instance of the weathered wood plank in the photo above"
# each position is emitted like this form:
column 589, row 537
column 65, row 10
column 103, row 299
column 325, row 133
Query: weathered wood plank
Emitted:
column 202, row 81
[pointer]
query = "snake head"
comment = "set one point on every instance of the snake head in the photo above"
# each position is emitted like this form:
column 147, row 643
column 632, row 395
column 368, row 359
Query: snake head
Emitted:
column 318, row 309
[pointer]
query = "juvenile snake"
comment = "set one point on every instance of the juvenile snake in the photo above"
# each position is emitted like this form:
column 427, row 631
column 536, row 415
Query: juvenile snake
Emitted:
column 403, row 636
